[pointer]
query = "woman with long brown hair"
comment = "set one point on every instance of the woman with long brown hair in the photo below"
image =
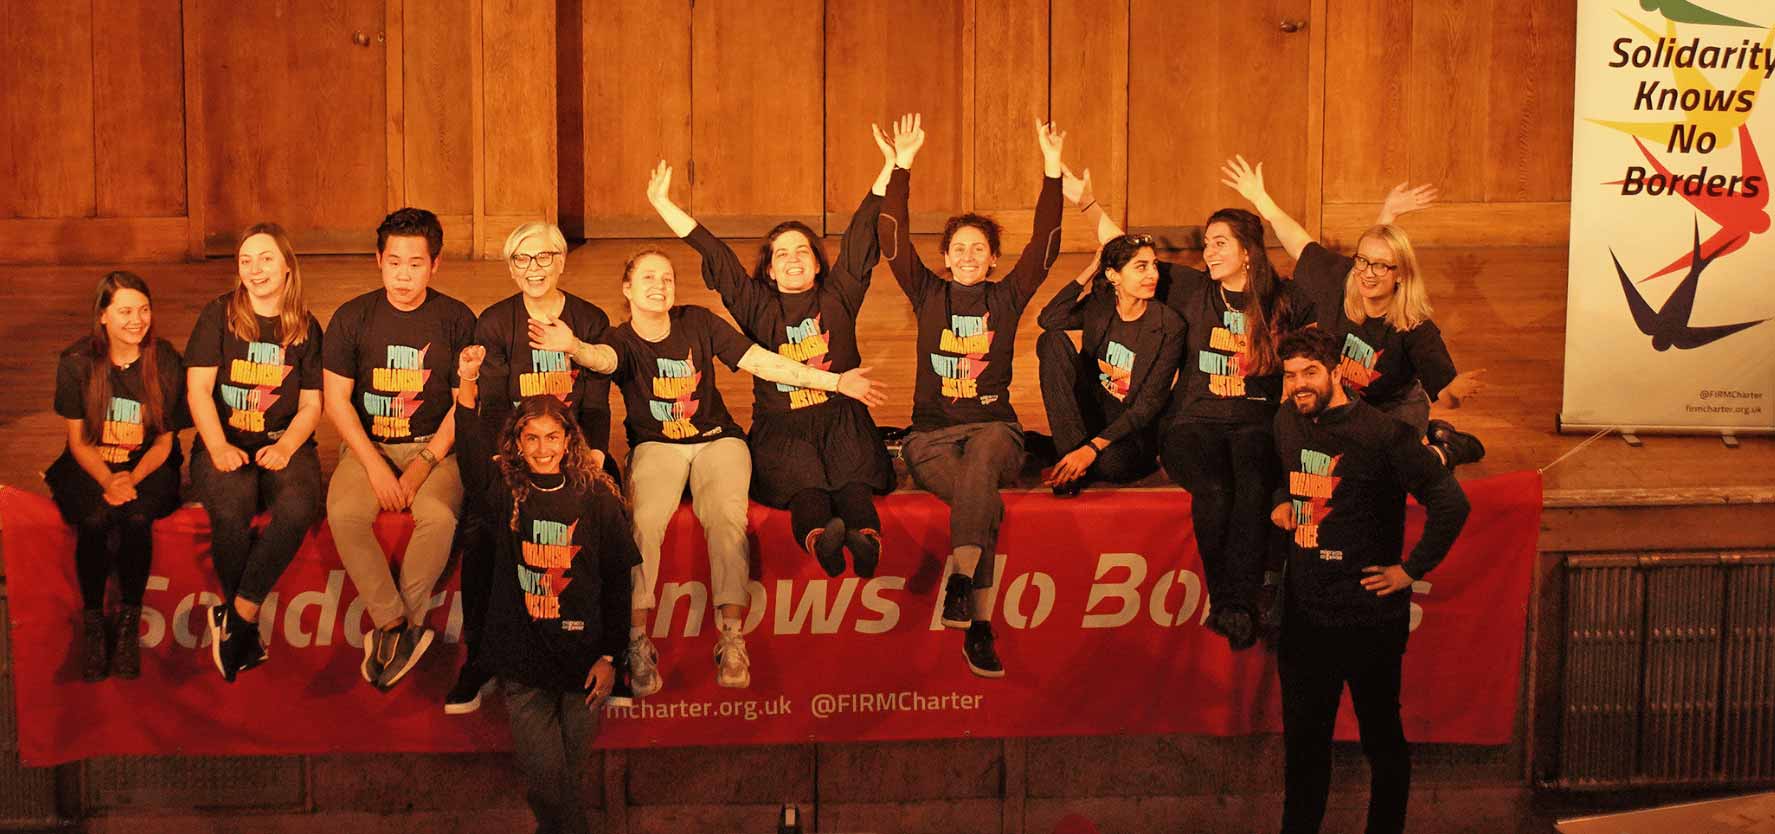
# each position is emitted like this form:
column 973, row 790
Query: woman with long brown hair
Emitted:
column 253, row 383
column 120, row 388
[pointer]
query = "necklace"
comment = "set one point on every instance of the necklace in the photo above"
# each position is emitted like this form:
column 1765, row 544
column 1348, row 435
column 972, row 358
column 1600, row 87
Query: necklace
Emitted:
column 540, row 488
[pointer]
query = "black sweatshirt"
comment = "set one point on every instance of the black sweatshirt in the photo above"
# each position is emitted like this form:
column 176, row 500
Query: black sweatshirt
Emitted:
column 1349, row 470
column 966, row 335
column 1136, row 360
column 1214, row 384
column 560, row 595
column 518, row 370
column 817, row 328
column 1380, row 361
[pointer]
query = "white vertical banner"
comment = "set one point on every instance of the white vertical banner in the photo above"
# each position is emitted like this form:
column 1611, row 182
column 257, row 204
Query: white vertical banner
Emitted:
column 1672, row 281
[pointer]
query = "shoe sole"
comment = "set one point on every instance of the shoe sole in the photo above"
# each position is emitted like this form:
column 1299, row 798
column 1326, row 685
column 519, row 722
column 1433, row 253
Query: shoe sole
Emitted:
column 469, row 706
column 985, row 673
column 369, row 654
column 412, row 660
column 744, row 682
column 619, row 701
column 962, row 624
column 216, row 643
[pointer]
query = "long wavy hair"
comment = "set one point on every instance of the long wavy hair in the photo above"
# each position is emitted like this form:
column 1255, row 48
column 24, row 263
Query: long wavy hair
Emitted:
column 576, row 463
column 1266, row 305
column 293, row 317
column 1411, row 299
column 761, row 270
column 98, row 349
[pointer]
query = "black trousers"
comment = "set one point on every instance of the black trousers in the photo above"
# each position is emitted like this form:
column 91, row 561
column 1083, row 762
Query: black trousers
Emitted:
column 1315, row 662
column 249, row 567
column 1230, row 471
column 1076, row 413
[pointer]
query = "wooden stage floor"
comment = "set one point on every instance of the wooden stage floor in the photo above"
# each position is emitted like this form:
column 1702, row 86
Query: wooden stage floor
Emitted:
column 1500, row 309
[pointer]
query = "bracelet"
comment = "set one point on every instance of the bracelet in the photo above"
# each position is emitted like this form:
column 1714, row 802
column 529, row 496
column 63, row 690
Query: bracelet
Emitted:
column 475, row 378
column 428, row 457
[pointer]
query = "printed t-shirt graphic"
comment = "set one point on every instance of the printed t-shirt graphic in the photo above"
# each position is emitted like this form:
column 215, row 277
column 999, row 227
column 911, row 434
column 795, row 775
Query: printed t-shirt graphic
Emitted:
column 808, row 344
column 551, row 373
column 393, row 397
column 1311, row 486
column 547, row 555
column 122, row 434
column 250, row 387
column 1358, row 363
column 1115, row 368
column 961, row 356
column 674, row 402
column 1228, row 356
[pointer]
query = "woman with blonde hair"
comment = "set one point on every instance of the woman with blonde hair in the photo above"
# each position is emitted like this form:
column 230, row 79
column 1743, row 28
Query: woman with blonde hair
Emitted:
column 253, row 384
column 1377, row 304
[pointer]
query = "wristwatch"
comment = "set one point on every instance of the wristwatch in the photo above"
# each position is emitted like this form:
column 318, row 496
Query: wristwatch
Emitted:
column 426, row 455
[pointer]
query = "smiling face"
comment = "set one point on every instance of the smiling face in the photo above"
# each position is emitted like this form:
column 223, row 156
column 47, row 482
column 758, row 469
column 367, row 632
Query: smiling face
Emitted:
column 1139, row 277
column 1376, row 272
column 792, row 263
column 407, row 269
column 969, row 256
column 542, row 442
column 1307, row 384
column 535, row 280
column 1222, row 252
column 650, row 286
column 127, row 319
column 262, row 269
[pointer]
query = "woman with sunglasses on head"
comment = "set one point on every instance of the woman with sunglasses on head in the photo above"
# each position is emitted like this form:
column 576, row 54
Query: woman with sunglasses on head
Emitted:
column 1377, row 305
column 1216, row 439
column 122, row 391
column 253, row 374
column 562, row 551
column 819, row 456
column 528, row 337
column 1103, row 401
column 680, row 433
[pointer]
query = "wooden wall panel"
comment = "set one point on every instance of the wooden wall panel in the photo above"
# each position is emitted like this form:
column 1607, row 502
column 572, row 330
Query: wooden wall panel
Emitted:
column 883, row 60
column 518, row 107
column 1010, row 92
column 1528, row 145
column 1368, row 66
column 1089, row 99
column 46, row 109
column 1449, row 101
column 636, row 108
column 438, row 165
column 570, row 153
column 1190, row 109
column 757, row 115
column 139, row 109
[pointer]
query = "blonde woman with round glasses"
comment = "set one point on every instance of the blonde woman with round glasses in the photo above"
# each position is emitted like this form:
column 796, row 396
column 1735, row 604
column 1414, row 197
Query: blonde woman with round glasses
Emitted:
column 1377, row 305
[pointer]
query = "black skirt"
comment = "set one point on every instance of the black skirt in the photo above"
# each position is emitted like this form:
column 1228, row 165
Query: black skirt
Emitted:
column 824, row 448
column 79, row 497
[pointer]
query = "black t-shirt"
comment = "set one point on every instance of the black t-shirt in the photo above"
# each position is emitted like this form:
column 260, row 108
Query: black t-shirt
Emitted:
column 668, row 386
column 1116, row 354
column 403, row 363
column 520, row 371
column 1215, row 384
column 127, row 433
column 1380, row 361
column 817, row 328
column 1348, row 475
column 259, row 383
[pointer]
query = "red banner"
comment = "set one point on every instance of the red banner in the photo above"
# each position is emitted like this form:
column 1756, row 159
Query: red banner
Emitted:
column 1098, row 611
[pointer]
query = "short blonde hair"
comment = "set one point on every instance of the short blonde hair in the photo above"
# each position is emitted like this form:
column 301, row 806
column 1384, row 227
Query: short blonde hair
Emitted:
column 535, row 227
column 1411, row 299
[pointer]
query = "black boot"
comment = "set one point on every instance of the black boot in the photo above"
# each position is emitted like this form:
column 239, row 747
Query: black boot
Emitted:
column 126, row 651
column 93, row 636
column 865, row 547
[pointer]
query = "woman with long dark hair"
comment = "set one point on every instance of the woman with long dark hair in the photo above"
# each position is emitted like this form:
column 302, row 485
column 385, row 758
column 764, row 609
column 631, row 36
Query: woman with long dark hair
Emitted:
column 557, row 614
column 121, row 389
column 1104, row 397
column 253, row 379
column 1216, row 439
column 818, row 456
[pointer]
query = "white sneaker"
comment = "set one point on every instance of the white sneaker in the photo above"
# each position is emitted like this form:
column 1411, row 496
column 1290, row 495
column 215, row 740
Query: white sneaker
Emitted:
column 733, row 667
column 644, row 676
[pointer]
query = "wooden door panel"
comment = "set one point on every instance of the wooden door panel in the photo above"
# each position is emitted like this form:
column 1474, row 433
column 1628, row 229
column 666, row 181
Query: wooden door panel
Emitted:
column 636, row 110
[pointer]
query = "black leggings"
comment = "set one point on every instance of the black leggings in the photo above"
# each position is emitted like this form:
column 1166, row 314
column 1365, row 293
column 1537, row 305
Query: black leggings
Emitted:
column 1230, row 471
column 112, row 538
column 810, row 509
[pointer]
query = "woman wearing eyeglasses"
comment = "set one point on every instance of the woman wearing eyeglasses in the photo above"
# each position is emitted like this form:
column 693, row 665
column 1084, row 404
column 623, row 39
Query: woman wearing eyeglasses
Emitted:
column 1377, row 305
column 529, row 338
column 816, row 455
column 1103, row 401
column 1216, row 439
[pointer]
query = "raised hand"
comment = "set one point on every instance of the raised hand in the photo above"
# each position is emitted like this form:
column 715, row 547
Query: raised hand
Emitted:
column 468, row 362
column 1052, row 140
column 1077, row 188
column 1238, row 175
column 884, row 142
column 908, row 139
column 1404, row 199
column 856, row 384
column 659, row 186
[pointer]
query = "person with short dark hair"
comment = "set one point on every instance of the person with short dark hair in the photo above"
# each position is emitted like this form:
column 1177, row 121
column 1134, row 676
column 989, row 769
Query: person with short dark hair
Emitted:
column 965, row 442
column 121, row 390
column 1103, row 402
column 390, row 367
column 253, row 374
column 1346, row 602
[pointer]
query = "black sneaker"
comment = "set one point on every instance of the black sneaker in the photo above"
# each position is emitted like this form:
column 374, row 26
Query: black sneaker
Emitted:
column 865, row 547
column 957, row 595
column 977, row 648
column 217, row 620
column 826, row 545
column 621, row 694
column 244, row 649
column 1457, row 446
column 409, row 646
column 375, row 656
column 1070, row 489
column 465, row 696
